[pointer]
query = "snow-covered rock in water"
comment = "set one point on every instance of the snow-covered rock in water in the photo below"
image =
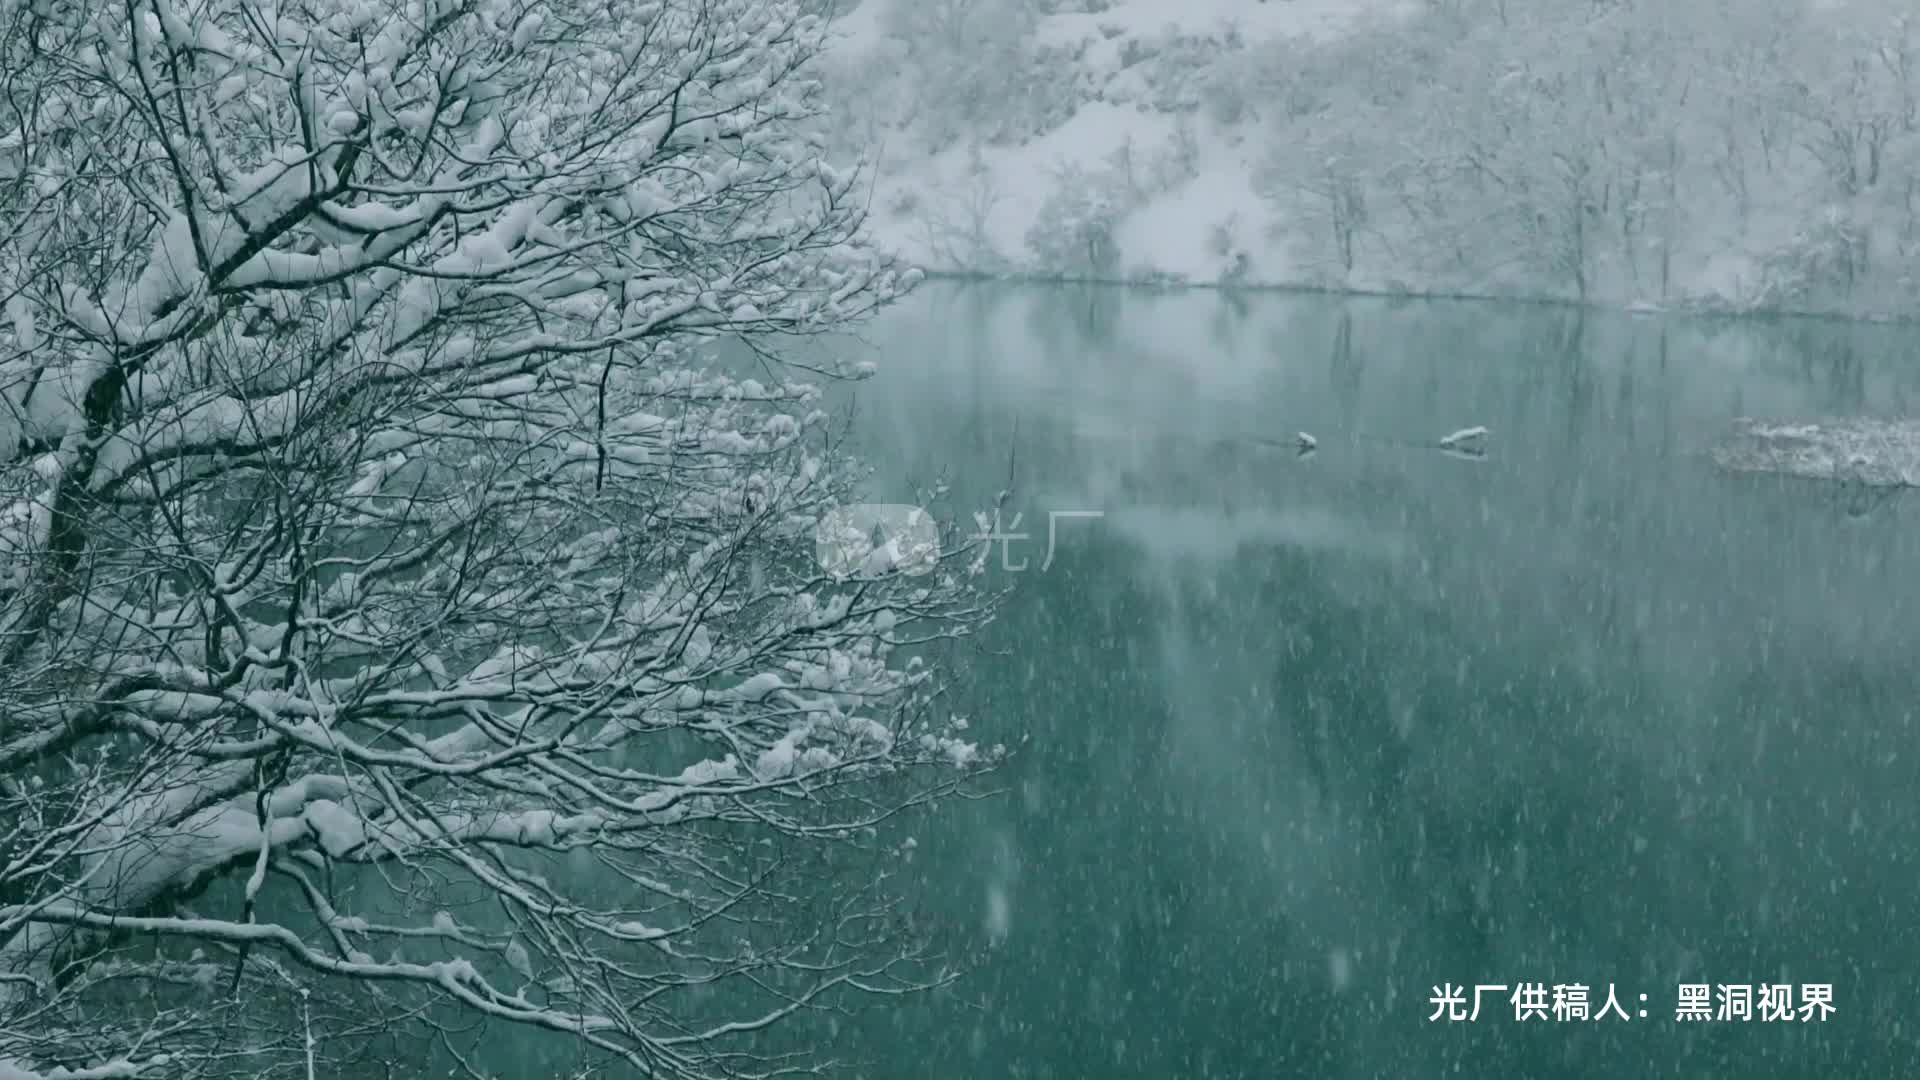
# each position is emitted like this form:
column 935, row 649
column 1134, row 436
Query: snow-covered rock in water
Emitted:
column 1877, row 453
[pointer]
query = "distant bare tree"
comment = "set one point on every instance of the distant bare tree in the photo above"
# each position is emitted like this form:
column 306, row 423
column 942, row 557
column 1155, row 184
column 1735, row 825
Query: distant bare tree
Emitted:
column 957, row 228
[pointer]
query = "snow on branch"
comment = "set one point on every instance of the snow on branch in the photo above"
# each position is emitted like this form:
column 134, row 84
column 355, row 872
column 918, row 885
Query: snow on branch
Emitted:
column 375, row 534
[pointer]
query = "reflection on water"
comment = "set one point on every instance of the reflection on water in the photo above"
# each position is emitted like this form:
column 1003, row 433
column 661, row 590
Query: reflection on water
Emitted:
column 1313, row 735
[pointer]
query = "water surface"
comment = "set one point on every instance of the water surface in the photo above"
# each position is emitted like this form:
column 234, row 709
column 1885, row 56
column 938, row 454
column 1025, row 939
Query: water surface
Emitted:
column 1311, row 736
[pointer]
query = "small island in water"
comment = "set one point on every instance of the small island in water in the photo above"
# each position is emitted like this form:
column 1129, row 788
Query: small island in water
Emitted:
column 1873, row 452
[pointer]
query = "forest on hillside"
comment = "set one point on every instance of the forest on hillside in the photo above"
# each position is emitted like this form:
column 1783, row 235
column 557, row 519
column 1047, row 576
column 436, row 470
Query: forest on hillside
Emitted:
column 1734, row 154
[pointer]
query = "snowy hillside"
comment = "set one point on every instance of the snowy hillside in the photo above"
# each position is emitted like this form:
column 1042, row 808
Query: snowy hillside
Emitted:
column 1631, row 153
column 1138, row 139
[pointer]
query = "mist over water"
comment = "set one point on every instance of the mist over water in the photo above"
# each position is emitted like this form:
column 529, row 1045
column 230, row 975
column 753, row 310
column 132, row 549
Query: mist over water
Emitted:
column 1310, row 736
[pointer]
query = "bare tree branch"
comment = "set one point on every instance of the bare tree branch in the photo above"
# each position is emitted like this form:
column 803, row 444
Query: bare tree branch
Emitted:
column 376, row 540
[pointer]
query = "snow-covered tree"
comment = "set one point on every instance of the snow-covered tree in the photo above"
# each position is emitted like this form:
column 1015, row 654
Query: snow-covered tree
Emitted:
column 1741, row 151
column 401, row 623
column 1074, row 233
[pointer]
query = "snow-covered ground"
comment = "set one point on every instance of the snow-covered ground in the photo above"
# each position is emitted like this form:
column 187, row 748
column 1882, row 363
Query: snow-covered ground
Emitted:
column 924, row 204
column 973, row 207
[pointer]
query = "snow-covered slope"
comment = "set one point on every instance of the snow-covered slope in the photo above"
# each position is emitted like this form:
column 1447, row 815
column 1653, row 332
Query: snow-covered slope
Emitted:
column 1651, row 156
column 1143, row 71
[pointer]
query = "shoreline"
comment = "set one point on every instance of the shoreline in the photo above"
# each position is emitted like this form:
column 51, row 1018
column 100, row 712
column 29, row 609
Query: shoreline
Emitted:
column 1692, row 309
